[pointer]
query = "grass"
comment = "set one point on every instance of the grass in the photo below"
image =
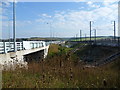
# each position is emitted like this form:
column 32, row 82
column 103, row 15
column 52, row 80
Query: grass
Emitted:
column 84, row 39
column 95, row 53
column 53, row 48
column 60, row 71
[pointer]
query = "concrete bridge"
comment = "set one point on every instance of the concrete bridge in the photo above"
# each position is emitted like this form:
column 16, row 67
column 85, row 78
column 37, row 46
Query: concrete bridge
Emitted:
column 25, row 51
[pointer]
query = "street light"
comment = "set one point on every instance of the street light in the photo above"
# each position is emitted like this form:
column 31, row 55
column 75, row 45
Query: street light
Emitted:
column 9, row 36
column 14, row 27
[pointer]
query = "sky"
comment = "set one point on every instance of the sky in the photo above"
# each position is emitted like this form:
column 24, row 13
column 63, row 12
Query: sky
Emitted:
column 59, row 19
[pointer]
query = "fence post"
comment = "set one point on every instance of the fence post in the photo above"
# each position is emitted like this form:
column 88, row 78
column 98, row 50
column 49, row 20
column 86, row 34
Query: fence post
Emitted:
column 22, row 46
column 4, row 44
column 33, row 45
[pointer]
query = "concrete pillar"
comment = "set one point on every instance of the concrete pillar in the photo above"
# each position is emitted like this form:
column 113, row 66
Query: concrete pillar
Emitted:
column 22, row 46
column 36, row 56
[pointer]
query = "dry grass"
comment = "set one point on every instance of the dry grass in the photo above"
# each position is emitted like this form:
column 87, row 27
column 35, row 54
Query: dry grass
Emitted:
column 61, row 72
column 53, row 48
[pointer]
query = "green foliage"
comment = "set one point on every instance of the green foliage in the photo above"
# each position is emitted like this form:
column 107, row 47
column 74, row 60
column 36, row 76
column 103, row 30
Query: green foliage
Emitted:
column 93, row 38
column 62, row 71
column 62, row 50
column 60, row 77
column 95, row 53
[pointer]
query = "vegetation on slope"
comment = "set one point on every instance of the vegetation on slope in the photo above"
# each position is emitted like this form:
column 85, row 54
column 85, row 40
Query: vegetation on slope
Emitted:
column 95, row 53
column 60, row 71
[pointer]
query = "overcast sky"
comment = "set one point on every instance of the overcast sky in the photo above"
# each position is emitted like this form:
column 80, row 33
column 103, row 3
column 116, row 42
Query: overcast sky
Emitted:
column 34, row 19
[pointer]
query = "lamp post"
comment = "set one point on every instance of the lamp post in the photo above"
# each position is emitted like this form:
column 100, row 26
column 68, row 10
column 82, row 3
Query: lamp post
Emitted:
column 14, row 27
column 9, row 34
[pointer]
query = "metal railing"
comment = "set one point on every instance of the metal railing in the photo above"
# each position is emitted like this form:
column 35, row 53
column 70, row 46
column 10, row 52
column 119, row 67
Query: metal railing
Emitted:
column 6, row 47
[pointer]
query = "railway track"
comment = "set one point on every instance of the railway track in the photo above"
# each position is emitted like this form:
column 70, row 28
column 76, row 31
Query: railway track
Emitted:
column 99, row 63
column 76, row 49
column 109, row 59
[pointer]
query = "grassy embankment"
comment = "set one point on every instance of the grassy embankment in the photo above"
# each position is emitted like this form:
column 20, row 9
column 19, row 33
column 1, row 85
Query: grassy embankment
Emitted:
column 60, row 71
column 84, row 39
column 95, row 53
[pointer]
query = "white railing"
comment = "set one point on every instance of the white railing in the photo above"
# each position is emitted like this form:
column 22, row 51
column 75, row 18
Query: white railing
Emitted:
column 1, row 47
column 33, row 44
column 6, row 47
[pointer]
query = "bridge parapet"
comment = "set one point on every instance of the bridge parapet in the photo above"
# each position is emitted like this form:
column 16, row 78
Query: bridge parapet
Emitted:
column 33, row 44
column 6, row 47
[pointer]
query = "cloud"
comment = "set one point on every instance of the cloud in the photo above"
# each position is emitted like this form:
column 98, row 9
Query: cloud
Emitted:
column 76, row 20
column 89, row 3
column 68, row 23
column 92, row 4
column 44, row 15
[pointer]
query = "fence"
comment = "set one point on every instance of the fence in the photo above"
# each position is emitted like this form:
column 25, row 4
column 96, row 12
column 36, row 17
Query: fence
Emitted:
column 6, row 47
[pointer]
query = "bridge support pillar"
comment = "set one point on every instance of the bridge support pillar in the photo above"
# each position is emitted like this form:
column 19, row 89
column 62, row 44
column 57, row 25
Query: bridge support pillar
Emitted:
column 36, row 56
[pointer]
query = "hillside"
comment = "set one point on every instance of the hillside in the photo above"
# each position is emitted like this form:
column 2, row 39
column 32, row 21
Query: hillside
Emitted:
column 61, row 71
column 95, row 53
